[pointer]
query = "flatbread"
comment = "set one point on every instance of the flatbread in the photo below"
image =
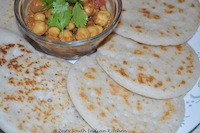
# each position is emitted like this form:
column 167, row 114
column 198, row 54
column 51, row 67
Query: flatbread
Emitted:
column 34, row 96
column 159, row 22
column 157, row 72
column 12, row 45
column 108, row 107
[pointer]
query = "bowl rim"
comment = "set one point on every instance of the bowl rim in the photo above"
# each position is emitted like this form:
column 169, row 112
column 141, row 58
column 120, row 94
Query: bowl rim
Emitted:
column 108, row 30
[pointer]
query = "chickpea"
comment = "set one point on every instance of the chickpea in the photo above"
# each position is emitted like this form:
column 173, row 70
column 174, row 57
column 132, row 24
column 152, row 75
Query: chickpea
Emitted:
column 39, row 16
column 53, row 31
column 50, row 37
column 71, row 26
column 100, row 28
column 89, row 9
column 39, row 27
column 93, row 30
column 36, row 5
column 103, row 8
column 82, row 33
column 66, row 36
column 102, row 18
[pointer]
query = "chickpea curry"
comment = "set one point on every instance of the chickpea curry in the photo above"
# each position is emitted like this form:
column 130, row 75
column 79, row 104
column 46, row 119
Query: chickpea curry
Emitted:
column 68, row 20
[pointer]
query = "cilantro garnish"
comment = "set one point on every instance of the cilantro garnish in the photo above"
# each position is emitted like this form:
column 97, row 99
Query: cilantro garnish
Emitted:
column 79, row 16
column 47, row 1
column 61, row 14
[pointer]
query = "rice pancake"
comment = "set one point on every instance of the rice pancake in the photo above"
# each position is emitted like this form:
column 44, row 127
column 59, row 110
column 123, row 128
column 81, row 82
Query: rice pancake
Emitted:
column 154, row 71
column 108, row 107
column 159, row 22
column 12, row 45
column 34, row 96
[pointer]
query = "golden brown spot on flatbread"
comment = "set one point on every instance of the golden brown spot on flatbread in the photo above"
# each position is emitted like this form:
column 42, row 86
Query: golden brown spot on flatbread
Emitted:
column 36, row 129
column 162, row 33
column 10, row 98
column 192, row 5
column 113, row 89
column 170, row 110
column 163, row 48
column 139, row 30
column 156, row 70
column 179, row 70
column 169, row 11
column 125, row 62
column 20, row 127
column 31, row 82
column 139, row 105
column 30, row 99
column 145, row 47
column 6, row 109
column 125, row 97
column 183, row 82
column 107, row 108
column 180, row 10
column 168, row 79
column 153, row 7
column 98, row 91
column 177, row 34
column 89, row 75
column 158, row 84
column 13, row 64
column 93, row 70
column 90, row 107
column 40, row 70
column 183, row 62
column 32, row 90
column 138, row 52
column 179, row 49
column 170, row 6
column 122, row 72
column 181, row 1
column 146, row 13
column 84, row 96
column 144, row 79
column 141, row 68
column 102, row 114
column 2, row 61
column 156, row 16
column 156, row 55
column 174, row 27
column 138, row 27
column 111, row 47
column 172, row 58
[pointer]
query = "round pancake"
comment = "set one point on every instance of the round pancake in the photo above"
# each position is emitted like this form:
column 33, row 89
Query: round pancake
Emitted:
column 34, row 96
column 157, row 72
column 159, row 22
column 108, row 107
column 12, row 45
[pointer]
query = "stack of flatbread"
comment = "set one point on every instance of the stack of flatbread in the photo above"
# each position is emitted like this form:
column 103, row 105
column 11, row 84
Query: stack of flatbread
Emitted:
column 134, row 83
column 137, row 79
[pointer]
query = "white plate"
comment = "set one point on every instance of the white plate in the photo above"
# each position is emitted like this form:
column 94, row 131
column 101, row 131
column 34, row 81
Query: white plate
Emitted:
column 192, row 99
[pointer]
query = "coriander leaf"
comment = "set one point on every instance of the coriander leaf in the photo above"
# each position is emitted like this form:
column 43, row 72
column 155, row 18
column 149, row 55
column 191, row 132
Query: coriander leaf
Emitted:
column 74, row 1
column 79, row 16
column 47, row 1
column 61, row 14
